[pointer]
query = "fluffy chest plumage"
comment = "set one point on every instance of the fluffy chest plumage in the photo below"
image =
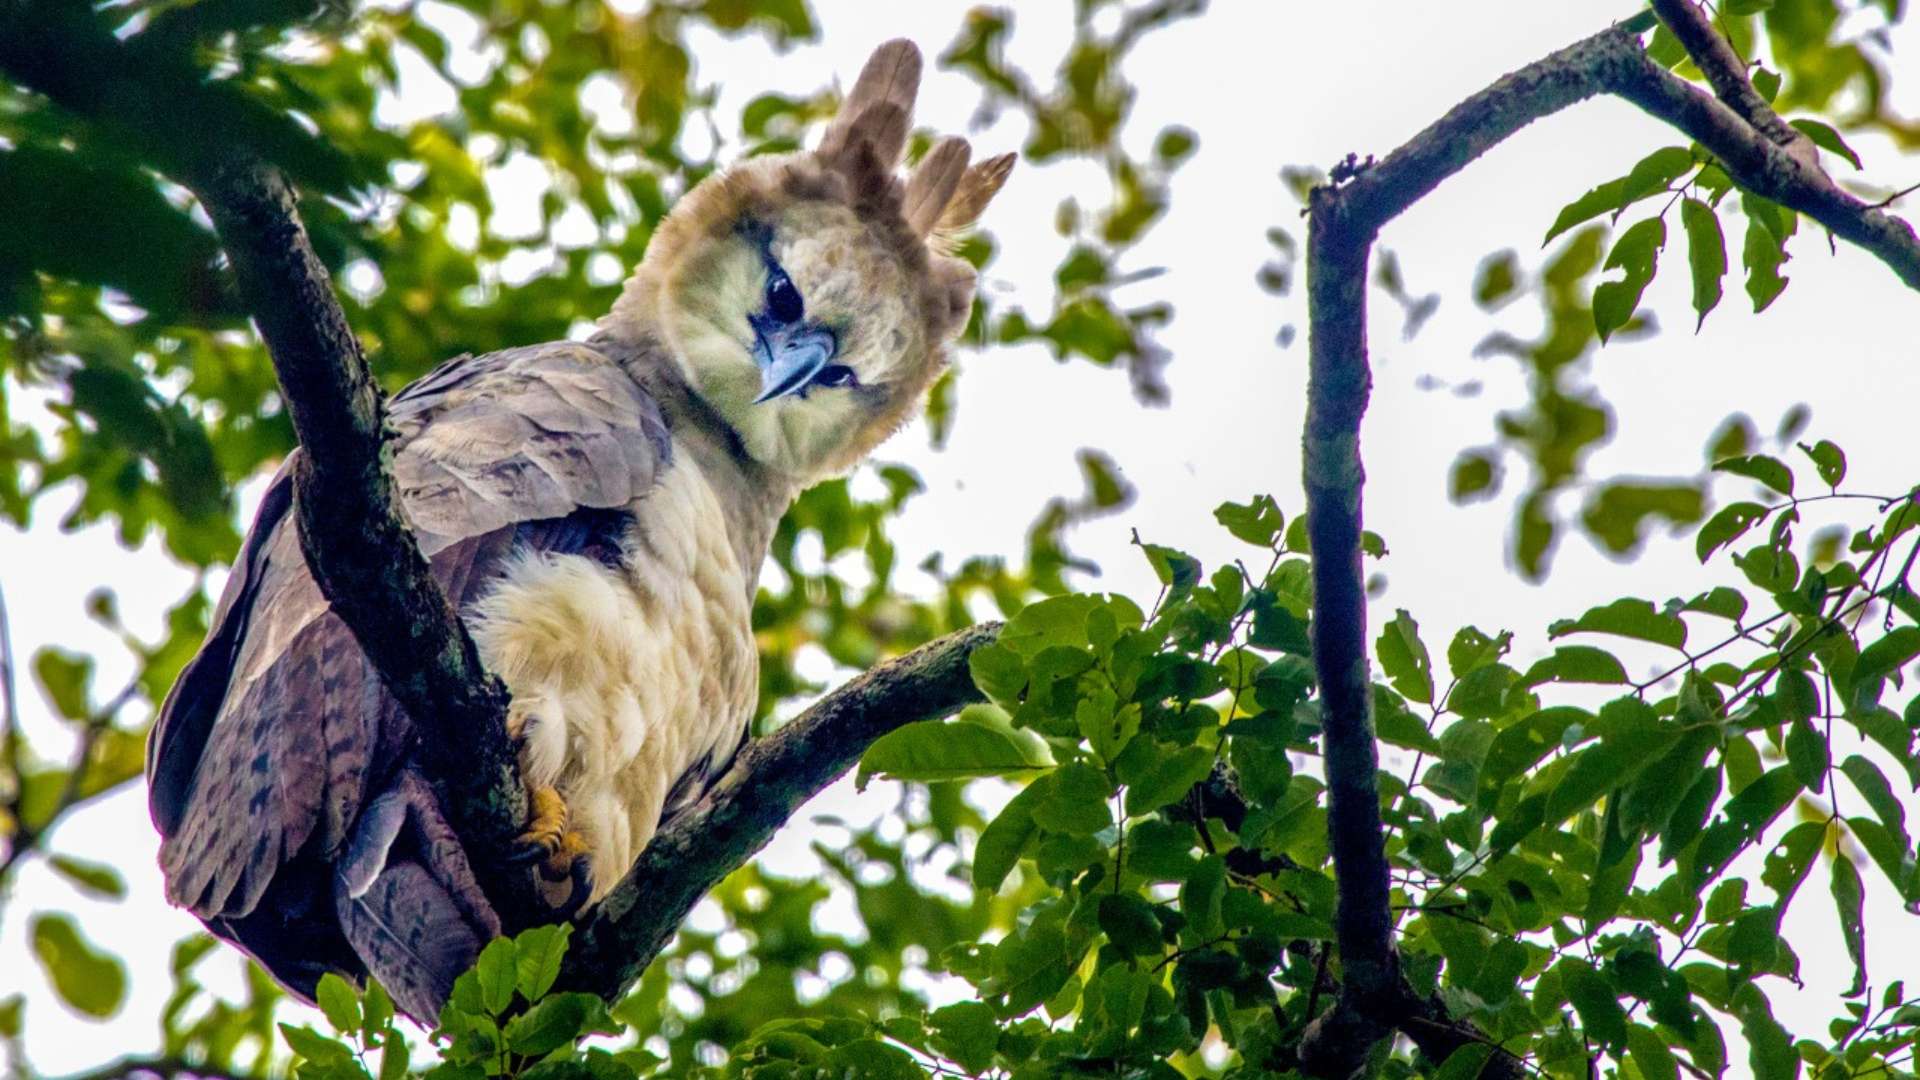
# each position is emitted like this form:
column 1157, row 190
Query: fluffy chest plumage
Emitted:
column 629, row 677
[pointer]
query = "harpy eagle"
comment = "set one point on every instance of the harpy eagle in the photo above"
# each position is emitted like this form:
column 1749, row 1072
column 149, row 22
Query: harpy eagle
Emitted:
column 598, row 512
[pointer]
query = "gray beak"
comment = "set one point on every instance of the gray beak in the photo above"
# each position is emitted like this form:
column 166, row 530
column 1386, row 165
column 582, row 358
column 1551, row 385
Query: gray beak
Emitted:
column 790, row 356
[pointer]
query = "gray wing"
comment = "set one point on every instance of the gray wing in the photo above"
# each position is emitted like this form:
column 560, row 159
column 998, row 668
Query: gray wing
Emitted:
column 275, row 733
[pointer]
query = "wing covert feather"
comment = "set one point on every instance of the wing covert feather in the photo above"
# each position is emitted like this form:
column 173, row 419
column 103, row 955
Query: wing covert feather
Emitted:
column 279, row 728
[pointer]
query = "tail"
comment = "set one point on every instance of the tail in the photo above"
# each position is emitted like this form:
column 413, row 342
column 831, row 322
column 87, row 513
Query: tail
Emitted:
column 407, row 900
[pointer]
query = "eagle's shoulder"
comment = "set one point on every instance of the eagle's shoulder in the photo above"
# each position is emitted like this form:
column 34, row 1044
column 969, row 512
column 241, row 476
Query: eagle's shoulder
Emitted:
column 523, row 435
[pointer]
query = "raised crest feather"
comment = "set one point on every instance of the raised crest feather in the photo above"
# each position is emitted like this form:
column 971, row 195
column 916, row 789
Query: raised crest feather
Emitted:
column 977, row 188
column 889, row 82
column 934, row 183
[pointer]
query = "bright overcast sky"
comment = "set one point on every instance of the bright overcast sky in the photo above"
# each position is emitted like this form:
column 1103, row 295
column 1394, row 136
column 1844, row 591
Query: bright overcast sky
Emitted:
column 1265, row 84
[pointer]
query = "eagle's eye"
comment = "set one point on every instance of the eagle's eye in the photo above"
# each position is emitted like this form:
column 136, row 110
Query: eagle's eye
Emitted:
column 834, row 375
column 783, row 300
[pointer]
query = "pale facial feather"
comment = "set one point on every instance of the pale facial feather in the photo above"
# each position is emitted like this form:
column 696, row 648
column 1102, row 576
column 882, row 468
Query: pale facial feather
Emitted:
column 849, row 283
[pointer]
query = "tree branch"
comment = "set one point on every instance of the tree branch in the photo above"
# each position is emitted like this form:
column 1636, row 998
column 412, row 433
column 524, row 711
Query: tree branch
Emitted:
column 1726, row 73
column 1763, row 155
column 765, row 786
column 362, row 554
column 1788, row 175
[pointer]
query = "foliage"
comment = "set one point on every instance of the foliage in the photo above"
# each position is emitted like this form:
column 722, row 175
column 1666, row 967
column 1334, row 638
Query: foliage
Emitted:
column 1118, row 866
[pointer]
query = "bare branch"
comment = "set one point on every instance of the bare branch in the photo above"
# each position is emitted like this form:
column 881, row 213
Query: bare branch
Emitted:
column 766, row 785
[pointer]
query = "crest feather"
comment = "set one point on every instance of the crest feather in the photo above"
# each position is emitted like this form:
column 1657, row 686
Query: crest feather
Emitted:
column 934, row 182
column 889, row 83
column 977, row 188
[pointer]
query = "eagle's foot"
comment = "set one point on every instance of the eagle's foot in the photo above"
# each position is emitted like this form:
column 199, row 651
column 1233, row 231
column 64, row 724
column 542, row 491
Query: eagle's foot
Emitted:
column 569, row 865
column 547, row 830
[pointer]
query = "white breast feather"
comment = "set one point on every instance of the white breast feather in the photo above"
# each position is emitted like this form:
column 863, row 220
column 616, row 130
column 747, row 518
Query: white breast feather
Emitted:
column 627, row 676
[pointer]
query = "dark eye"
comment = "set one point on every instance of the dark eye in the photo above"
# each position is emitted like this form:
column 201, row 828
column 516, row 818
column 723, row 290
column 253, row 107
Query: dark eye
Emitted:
column 834, row 375
column 783, row 300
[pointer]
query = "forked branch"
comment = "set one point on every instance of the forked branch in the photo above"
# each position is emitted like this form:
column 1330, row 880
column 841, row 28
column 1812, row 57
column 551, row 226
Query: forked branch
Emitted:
column 1762, row 154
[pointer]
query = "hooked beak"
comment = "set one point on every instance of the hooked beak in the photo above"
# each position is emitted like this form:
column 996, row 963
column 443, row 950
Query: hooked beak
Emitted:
column 789, row 356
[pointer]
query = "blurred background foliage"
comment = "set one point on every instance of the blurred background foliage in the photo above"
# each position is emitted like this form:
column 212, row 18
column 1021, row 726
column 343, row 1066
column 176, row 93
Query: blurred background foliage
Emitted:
column 131, row 387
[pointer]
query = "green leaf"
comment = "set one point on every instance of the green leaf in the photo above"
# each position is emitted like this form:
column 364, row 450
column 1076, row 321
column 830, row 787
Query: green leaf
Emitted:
column 1472, row 650
column 1055, row 621
column 1848, row 897
column 1474, row 474
column 1596, row 770
column 1200, row 897
column 337, row 1000
column 1770, row 1049
column 64, row 676
column 1873, row 787
column 1770, row 471
column 1649, row 1053
column 1637, row 253
column 1007, row 837
column 1627, row 617
column 1258, row 522
column 1616, row 514
column 317, row 1048
column 1767, row 82
column 1403, row 656
column 11, row 1008
column 92, row 878
column 376, row 1016
column 1807, row 755
column 1603, row 199
column 536, row 955
column 1596, row 1002
column 1827, row 139
column 1075, row 801
column 1763, row 253
column 1723, row 528
column 555, row 1022
column 1887, row 655
column 1177, row 570
column 1466, row 1061
column 958, row 749
column 1890, row 853
column 1129, row 922
column 91, row 981
column 968, row 1033
column 1656, row 173
column 1106, row 724
column 1393, row 723
column 1706, row 256
column 1577, row 664
column 999, row 672
column 1169, row 778
column 497, row 973
column 1828, row 459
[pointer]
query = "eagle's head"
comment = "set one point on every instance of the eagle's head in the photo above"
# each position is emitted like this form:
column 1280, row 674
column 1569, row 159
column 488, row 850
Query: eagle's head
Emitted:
column 809, row 297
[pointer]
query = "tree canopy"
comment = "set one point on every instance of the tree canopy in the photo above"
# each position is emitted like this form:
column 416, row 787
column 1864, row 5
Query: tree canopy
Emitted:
column 1243, row 826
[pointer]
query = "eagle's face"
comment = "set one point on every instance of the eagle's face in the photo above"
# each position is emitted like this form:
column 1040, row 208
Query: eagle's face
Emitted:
column 809, row 298
column 805, row 332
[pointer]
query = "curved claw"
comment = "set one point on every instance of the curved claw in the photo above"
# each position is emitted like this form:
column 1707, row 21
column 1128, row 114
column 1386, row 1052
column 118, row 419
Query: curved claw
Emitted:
column 576, row 902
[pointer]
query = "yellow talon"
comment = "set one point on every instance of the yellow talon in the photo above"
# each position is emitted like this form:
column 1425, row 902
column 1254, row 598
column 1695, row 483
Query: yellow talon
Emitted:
column 547, row 828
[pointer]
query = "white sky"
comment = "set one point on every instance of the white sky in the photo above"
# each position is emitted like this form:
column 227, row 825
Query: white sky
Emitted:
column 1265, row 85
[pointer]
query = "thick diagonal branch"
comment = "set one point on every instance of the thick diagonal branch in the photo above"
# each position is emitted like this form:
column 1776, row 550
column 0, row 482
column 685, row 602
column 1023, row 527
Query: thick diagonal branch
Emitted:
column 765, row 786
column 361, row 552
